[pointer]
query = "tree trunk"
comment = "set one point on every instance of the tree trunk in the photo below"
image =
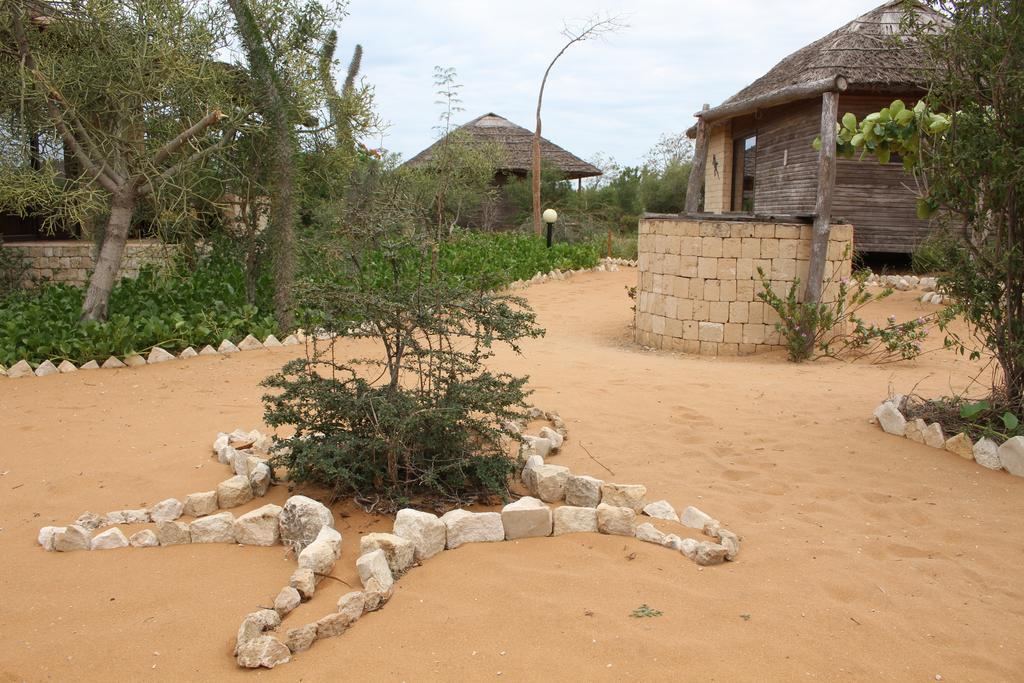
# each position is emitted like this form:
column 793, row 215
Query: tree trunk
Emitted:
column 536, row 174
column 108, row 262
column 695, row 183
column 823, row 203
column 282, row 226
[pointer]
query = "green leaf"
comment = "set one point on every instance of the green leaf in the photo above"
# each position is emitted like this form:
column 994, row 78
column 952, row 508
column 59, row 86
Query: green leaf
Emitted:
column 896, row 107
column 849, row 121
column 969, row 411
column 816, row 145
column 1010, row 421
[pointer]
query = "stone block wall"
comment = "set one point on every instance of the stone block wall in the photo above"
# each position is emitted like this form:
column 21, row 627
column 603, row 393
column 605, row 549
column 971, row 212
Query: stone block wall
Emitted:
column 698, row 280
column 71, row 261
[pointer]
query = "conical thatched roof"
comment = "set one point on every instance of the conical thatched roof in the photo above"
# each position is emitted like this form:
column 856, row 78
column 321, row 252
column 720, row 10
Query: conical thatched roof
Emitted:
column 872, row 52
column 516, row 143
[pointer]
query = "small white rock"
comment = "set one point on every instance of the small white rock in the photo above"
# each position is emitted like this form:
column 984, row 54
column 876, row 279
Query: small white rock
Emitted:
column 661, row 509
column 110, row 539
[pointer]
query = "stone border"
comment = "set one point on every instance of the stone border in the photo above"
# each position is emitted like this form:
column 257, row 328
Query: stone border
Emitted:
column 159, row 355
column 986, row 452
column 905, row 283
column 307, row 527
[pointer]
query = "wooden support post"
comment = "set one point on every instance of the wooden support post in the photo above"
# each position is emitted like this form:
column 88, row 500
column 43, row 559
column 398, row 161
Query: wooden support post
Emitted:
column 700, row 162
column 823, row 204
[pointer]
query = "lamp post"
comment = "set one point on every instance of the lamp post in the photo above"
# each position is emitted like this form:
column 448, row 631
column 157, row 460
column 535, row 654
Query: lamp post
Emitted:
column 550, row 216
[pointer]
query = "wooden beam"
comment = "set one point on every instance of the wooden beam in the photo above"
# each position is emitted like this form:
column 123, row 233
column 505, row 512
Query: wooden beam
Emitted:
column 774, row 98
column 700, row 162
column 823, row 203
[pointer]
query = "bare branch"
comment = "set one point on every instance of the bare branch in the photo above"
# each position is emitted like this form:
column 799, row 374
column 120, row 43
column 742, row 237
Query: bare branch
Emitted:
column 190, row 133
column 171, row 171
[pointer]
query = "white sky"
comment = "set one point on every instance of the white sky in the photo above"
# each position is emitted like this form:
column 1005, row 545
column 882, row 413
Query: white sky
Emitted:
column 613, row 96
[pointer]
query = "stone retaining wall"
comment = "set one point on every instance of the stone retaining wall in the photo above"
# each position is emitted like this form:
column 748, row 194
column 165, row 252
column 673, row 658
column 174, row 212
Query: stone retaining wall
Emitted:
column 71, row 261
column 698, row 281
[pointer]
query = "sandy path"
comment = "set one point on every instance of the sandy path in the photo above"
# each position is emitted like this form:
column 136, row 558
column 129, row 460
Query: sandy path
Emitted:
column 865, row 557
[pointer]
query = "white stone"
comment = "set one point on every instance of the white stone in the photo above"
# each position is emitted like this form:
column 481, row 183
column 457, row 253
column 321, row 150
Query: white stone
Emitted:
column 915, row 430
column 933, row 436
column 648, row 532
column 66, row 366
column 301, row 638
column 427, row 533
column 46, row 368
column 255, row 624
column 400, row 552
column 173, row 533
column 583, row 491
column 234, row 492
column 112, row 362
column 554, row 437
column 961, row 445
column 134, row 361
column 331, row 537
column 200, row 504
column 304, row 581
column 534, row 445
column 526, row 518
column 287, row 599
column 547, row 482
column 374, row 565
column 613, row 519
column 222, row 441
column 624, row 495
column 731, row 543
column 89, row 520
column 352, row 605
column 301, row 521
column 91, row 365
column 986, row 454
column 189, row 352
column 227, row 347
column 144, row 539
column 710, row 553
column 159, row 355
column 1011, row 456
column 290, row 340
column 464, row 526
column 263, row 651
column 73, row 537
column 531, row 462
column 672, row 541
column 259, row 479
column 259, row 526
column 166, row 510
column 661, row 509
column 250, row 343
column 47, row 536
column 271, row 342
column 208, row 351
column 140, row 516
column 331, row 625
column 573, row 520
column 319, row 558
column 891, row 419
column 218, row 528
column 695, row 518
column 110, row 539
column 20, row 369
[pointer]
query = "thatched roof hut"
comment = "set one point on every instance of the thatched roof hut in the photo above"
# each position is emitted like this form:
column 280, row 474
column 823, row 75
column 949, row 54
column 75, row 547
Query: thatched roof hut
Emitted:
column 753, row 150
column 516, row 144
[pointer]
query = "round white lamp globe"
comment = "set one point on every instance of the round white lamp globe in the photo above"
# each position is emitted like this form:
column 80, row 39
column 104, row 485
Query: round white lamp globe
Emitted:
column 550, row 216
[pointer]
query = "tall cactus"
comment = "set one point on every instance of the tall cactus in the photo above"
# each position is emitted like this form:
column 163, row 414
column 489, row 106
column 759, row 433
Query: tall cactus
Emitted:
column 341, row 107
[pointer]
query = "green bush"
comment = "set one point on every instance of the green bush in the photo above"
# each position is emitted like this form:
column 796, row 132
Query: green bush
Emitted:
column 932, row 255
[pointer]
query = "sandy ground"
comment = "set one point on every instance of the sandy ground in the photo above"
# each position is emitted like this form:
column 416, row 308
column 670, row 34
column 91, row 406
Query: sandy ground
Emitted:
column 865, row 557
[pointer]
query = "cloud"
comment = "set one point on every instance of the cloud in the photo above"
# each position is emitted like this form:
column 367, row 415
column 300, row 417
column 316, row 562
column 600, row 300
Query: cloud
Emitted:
column 615, row 95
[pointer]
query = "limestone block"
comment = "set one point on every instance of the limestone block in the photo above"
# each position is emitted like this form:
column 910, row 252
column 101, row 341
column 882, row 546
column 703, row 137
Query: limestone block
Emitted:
column 891, row 419
column 1011, row 456
column 710, row 553
column 47, row 535
column 300, row 639
column 166, row 510
column 173, row 533
column 287, row 600
column 712, row 331
column 271, row 342
column 144, row 539
column 259, row 526
column 159, row 355
column 140, row 516
column 649, row 533
column 46, row 368
column 661, row 509
column 200, row 504
column 376, row 595
column 218, row 528
column 531, row 462
column 535, row 445
column 427, row 532
column 89, row 520
column 250, row 343
column 464, row 526
column 189, row 352
column 961, row 445
column 731, row 542
column 331, row 625
column 255, row 624
column 290, row 340
column 624, row 495
column 554, row 437
column 304, row 581
column 583, row 491
column 73, row 537
column 351, row 605
column 400, row 552
column 933, row 436
column 259, row 479
column 374, row 565
column 695, row 518
column 301, row 521
column 112, row 362
column 227, row 347
column 234, row 492
column 672, row 541
column 263, row 651
column 91, row 365
column 134, row 361
column 20, row 369
column 111, row 539
column 208, row 351
column 547, row 482
column 526, row 518
column 915, row 430
column 616, row 520
column 688, row 547
column 986, row 454
column 66, row 366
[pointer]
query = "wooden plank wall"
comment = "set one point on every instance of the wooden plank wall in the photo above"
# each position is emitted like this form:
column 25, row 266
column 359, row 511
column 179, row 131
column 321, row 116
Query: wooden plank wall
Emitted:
column 786, row 178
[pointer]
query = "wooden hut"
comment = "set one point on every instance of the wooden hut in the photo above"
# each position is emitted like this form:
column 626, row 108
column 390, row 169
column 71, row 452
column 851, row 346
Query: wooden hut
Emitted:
column 754, row 150
column 515, row 145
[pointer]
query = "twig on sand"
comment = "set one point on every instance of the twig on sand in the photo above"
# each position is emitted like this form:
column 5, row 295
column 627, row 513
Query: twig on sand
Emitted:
column 595, row 459
column 328, row 576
